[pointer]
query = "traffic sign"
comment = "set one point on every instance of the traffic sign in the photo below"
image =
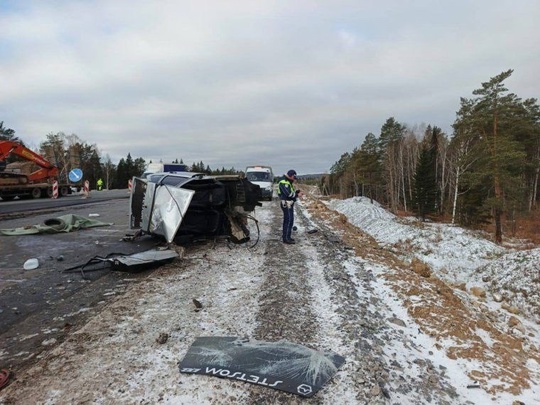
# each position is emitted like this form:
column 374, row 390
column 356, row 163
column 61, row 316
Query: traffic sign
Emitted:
column 75, row 175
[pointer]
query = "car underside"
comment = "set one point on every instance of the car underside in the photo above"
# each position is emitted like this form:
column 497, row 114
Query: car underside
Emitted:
column 187, row 207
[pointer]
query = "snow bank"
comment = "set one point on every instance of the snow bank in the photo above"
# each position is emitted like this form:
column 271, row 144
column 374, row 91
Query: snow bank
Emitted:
column 454, row 254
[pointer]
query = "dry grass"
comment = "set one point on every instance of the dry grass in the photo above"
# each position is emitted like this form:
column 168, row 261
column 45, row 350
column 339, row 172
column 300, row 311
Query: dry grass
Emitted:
column 526, row 227
column 446, row 314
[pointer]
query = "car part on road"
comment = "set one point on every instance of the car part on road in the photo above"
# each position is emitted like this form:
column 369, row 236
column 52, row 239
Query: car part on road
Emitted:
column 135, row 262
column 280, row 365
column 31, row 264
column 64, row 223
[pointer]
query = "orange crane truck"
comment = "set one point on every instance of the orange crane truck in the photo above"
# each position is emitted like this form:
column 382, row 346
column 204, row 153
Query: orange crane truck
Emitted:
column 38, row 183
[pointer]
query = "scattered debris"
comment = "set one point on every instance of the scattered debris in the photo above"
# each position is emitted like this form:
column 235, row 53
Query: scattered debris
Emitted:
column 474, row 384
column 132, row 237
column 311, row 231
column 132, row 263
column 197, row 303
column 280, row 365
column 162, row 338
column 31, row 264
column 5, row 375
column 64, row 223
column 144, row 260
column 93, row 215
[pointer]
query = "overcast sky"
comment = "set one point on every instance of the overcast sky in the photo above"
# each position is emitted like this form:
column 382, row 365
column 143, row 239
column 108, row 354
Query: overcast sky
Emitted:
column 291, row 84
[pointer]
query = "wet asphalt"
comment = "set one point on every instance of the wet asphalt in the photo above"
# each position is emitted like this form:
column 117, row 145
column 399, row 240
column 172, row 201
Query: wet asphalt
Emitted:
column 40, row 307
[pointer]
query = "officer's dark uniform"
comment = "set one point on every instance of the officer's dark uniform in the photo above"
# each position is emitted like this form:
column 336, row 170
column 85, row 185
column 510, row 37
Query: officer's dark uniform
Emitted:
column 287, row 196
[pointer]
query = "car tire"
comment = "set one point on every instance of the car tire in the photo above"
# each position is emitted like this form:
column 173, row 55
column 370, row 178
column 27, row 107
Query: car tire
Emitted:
column 36, row 192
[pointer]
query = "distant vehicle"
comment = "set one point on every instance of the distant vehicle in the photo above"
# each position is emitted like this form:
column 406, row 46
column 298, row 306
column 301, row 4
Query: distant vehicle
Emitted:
column 164, row 168
column 31, row 179
column 187, row 207
column 263, row 177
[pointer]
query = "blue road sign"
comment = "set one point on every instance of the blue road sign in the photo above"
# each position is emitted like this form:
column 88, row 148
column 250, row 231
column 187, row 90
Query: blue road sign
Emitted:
column 75, row 175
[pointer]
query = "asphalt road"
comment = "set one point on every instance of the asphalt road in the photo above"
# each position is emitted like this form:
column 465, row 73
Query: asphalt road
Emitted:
column 39, row 307
column 32, row 206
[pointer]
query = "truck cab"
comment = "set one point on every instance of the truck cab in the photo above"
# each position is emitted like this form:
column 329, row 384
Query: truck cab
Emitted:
column 263, row 177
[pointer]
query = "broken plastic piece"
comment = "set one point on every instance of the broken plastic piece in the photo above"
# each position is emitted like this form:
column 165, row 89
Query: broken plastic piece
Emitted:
column 197, row 303
column 143, row 260
column 280, row 365
column 134, row 262
column 31, row 264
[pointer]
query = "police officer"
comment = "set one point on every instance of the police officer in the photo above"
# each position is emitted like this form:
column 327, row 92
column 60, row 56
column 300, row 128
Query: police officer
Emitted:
column 99, row 184
column 287, row 197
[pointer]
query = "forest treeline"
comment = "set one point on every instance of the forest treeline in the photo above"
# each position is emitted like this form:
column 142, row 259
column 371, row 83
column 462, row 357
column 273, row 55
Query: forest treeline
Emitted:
column 69, row 152
column 486, row 171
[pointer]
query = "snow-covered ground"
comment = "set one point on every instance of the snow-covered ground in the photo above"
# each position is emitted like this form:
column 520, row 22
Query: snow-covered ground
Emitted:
column 466, row 259
column 455, row 254
column 370, row 292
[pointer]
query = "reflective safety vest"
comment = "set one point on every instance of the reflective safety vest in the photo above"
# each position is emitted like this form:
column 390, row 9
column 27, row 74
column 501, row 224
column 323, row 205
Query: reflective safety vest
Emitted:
column 286, row 190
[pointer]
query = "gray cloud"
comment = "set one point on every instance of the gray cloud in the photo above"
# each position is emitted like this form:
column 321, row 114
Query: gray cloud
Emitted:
column 290, row 84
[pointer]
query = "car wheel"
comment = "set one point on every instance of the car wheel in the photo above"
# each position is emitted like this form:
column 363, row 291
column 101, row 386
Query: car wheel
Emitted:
column 36, row 193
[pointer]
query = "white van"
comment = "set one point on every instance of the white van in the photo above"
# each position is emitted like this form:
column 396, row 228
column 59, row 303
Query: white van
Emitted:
column 263, row 177
column 164, row 167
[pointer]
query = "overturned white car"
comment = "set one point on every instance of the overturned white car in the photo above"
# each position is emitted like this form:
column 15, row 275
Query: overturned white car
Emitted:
column 186, row 207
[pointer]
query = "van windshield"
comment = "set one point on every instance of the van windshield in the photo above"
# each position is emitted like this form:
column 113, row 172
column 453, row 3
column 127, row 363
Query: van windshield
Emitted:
column 258, row 176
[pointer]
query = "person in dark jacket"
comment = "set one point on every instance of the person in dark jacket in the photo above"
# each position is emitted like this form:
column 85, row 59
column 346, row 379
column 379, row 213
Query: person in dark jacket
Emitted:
column 287, row 197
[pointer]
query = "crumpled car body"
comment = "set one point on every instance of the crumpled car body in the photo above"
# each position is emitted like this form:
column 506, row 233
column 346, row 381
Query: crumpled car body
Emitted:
column 186, row 207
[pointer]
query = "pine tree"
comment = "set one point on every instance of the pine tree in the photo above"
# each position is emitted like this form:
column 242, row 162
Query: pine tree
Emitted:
column 7, row 134
column 490, row 121
column 391, row 152
column 425, row 183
